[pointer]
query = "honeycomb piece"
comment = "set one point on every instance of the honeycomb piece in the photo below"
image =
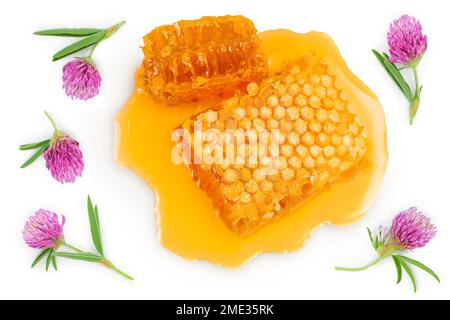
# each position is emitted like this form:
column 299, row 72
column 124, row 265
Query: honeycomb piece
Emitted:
column 318, row 139
column 195, row 60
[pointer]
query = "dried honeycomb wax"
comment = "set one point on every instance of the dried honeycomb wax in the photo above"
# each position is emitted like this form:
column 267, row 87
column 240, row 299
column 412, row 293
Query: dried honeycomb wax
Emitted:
column 197, row 60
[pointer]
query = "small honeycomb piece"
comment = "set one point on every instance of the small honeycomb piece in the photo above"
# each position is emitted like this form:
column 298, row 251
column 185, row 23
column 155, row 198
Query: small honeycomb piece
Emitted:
column 319, row 141
column 195, row 60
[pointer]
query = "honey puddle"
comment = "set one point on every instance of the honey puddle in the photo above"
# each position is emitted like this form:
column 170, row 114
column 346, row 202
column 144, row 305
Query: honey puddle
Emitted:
column 188, row 223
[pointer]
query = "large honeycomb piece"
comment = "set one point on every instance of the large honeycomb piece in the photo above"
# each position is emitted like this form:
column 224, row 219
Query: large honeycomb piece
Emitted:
column 319, row 141
column 195, row 60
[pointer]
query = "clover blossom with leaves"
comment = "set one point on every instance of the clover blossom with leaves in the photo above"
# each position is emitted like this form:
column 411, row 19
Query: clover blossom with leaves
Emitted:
column 410, row 230
column 62, row 154
column 44, row 231
column 81, row 78
column 407, row 45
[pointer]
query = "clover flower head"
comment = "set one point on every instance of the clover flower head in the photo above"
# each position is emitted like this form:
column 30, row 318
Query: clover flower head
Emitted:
column 411, row 229
column 43, row 230
column 64, row 158
column 81, row 79
column 407, row 43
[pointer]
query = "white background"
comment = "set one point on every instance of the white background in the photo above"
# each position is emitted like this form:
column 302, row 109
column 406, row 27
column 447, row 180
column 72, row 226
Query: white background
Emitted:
column 418, row 171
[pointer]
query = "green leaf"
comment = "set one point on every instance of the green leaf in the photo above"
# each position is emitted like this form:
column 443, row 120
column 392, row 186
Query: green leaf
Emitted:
column 40, row 257
column 80, row 45
column 79, row 32
column 398, row 265
column 399, row 78
column 404, row 86
column 49, row 260
column 54, row 262
column 95, row 226
column 377, row 241
column 89, row 257
column 395, row 74
column 410, row 274
column 371, row 238
column 421, row 266
column 35, row 156
column 36, row 145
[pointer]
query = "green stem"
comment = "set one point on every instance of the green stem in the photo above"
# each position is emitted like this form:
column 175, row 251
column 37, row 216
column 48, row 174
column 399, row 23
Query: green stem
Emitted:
column 414, row 105
column 105, row 261
column 92, row 50
column 72, row 247
column 416, row 79
column 51, row 121
column 361, row 268
column 109, row 264
column 383, row 254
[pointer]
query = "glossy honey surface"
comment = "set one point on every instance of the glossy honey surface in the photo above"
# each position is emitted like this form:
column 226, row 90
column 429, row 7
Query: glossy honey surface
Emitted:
column 188, row 223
